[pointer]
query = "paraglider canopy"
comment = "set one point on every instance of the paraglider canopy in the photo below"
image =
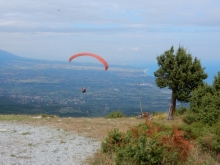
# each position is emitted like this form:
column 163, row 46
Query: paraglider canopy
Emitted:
column 92, row 55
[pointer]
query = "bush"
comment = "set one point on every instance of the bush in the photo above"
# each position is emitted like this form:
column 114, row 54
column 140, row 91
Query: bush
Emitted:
column 208, row 137
column 144, row 151
column 147, row 144
column 181, row 110
column 211, row 143
column 154, row 113
column 205, row 104
column 113, row 140
column 195, row 130
column 190, row 118
column 115, row 114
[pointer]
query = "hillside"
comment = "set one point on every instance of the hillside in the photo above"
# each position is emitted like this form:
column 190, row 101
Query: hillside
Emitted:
column 6, row 57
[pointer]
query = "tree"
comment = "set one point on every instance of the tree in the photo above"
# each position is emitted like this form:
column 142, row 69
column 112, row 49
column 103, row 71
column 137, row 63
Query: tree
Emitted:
column 180, row 73
column 216, row 83
column 205, row 104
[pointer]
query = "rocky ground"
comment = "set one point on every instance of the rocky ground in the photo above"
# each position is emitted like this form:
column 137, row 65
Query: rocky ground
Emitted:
column 50, row 140
column 42, row 145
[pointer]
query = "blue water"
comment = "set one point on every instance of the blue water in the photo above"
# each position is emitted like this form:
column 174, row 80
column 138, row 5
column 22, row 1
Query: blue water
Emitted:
column 211, row 68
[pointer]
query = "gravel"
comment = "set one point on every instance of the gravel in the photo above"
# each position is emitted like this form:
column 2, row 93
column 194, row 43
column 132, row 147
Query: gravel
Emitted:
column 22, row 144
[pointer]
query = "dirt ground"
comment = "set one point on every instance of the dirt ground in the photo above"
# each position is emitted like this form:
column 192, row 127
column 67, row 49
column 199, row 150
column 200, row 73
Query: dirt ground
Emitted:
column 96, row 128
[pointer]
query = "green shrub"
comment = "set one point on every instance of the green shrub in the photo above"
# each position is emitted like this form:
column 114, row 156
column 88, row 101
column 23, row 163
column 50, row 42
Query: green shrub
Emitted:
column 195, row 130
column 44, row 115
column 113, row 140
column 181, row 110
column 154, row 113
column 205, row 104
column 210, row 115
column 115, row 114
column 148, row 143
column 130, row 149
column 144, row 151
column 208, row 137
column 210, row 142
column 190, row 118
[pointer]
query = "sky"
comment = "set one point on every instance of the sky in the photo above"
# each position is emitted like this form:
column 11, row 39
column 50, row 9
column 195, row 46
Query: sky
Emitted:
column 121, row 31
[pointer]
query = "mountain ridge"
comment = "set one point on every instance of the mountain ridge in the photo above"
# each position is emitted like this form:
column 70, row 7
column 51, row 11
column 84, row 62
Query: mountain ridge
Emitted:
column 6, row 56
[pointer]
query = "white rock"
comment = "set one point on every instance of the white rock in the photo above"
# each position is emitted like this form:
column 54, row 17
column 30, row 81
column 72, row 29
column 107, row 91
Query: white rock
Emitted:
column 37, row 117
column 3, row 130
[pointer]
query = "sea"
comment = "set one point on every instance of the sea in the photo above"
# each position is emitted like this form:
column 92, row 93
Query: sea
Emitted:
column 211, row 68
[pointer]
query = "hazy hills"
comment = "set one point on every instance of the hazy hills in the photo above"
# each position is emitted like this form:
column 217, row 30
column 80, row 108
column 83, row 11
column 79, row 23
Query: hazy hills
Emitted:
column 9, row 57
column 6, row 56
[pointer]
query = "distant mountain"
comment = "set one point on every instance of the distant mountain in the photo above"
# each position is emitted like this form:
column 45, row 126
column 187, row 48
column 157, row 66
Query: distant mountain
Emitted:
column 6, row 56
column 211, row 68
column 9, row 57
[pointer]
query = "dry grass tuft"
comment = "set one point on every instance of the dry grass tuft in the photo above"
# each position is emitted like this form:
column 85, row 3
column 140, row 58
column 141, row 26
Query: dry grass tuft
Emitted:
column 101, row 159
column 161, row 118
column 199, row 157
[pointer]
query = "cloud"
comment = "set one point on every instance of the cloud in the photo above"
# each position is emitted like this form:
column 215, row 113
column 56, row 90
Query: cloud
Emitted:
column 115, row 29
column 135, row 49
column 140, row 15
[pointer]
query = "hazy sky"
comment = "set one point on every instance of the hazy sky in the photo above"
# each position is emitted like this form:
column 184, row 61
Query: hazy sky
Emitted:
column 121, row 31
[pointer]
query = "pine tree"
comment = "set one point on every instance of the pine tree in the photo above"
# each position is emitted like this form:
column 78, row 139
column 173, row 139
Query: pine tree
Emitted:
column 216, row 83
column 180, row 73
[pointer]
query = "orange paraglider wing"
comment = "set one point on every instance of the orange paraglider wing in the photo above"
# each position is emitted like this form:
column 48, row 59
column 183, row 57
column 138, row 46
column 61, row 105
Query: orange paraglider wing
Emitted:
column 92, row 55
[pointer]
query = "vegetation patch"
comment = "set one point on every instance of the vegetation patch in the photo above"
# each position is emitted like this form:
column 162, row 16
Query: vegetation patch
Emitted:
column 115, row 114
column 148, row 143
column 203, row 117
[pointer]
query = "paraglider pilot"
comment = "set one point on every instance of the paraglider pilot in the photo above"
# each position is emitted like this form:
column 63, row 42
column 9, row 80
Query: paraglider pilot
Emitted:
column 83, row 90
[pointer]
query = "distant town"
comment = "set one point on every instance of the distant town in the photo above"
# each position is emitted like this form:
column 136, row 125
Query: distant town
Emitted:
column 55, row 87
